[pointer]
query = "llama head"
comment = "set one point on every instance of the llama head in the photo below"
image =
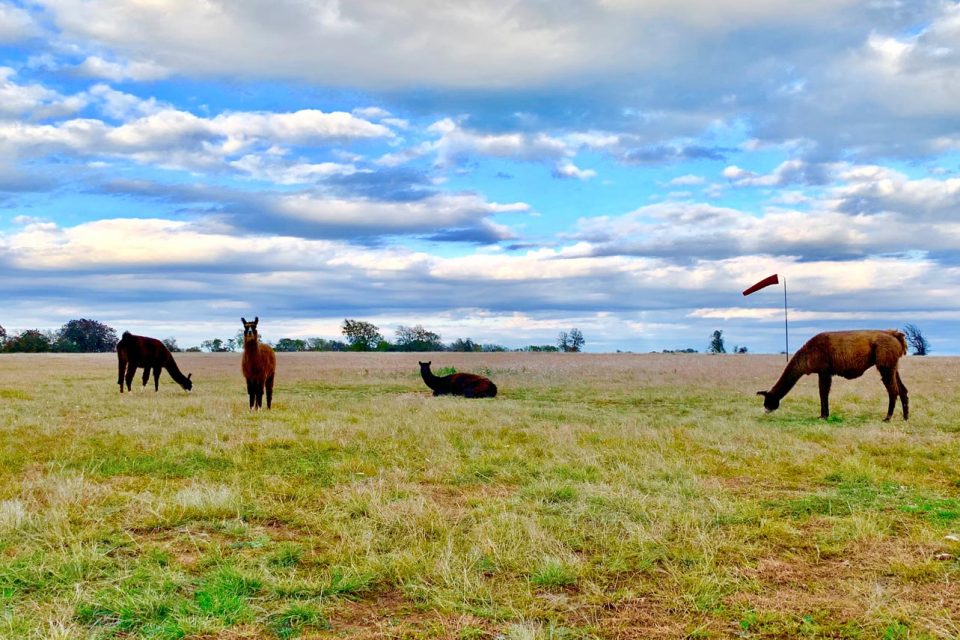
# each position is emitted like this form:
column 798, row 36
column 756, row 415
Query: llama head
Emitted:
column 770, row 403
column 250, row 329
column 424, row 366
column 188, row 385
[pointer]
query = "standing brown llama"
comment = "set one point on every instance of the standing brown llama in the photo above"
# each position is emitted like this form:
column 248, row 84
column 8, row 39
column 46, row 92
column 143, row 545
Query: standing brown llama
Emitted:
column 468, row 385
column 151, row 354
column 847, row 354
column 259, row 364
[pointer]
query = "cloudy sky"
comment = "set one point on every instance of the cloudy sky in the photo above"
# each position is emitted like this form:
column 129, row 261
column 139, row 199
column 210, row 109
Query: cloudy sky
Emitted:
column 497, row 170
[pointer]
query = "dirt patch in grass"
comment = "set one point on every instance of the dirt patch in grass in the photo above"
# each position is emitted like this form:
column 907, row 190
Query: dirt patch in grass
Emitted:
column 638, row 618
column 390, row 615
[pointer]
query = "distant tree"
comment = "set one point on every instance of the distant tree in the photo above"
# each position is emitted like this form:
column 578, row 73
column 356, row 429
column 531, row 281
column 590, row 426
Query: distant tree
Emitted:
column 576, row 340
column 171, row 344
column 217, row 345
column 193, row 349
column 915, row 339
column 687, row 350
column 30, row 341
column 464, row 344
column 3, row 336
column 570, row 342
column 362, row 336
column 290, row 344
column 537, row 348
column 87, row 336
column 739, row 349
column 716, row 343
column 493, row 348
column 320, row 344
column 417, row 339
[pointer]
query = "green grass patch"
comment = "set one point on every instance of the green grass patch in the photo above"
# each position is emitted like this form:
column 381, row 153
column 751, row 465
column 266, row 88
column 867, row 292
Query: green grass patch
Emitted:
column 597, row 496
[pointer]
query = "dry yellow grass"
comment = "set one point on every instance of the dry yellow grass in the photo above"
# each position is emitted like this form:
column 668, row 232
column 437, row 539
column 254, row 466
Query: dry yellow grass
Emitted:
column 612, row 496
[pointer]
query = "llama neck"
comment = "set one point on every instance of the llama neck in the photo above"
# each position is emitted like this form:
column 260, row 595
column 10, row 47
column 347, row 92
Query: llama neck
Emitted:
column 431, row 380
column 793, row 372
column 175, row 373
column 251, row 346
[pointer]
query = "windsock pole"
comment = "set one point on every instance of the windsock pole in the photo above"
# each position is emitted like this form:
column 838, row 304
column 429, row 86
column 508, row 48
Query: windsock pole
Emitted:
column 786, row 325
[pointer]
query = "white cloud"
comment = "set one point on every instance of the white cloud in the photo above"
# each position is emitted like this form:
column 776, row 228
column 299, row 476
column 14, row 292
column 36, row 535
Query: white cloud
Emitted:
column 432, row 214
column 874, row 189
column 15, row 24
column 124, row 106
column 370, row 43
column 267, row 167
column 688, row 180
column 567, row 169
column 97, row 67
column 457, row 143
column 167, row 137
column 32, row 99
column 786, row 173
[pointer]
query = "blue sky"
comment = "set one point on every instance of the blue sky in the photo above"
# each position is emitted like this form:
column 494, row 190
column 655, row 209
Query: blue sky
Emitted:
column 495, row 170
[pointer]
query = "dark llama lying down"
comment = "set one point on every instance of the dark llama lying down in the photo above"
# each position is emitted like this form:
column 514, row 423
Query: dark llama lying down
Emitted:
column 151, row 354
column 847, row 354
column 468, row 385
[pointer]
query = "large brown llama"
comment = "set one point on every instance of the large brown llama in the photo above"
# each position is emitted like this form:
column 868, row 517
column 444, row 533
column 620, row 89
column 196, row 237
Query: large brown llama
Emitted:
column 847, row 354
column 151, row 354
column 468, row 385
column 259, row 365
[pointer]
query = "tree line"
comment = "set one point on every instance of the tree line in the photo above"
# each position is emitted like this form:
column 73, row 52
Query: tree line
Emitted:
column 90, row 336
column 360, row 335
column 76, row 336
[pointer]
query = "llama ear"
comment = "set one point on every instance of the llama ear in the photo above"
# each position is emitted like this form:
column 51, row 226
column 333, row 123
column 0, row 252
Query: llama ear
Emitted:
column 188, row 375
column 256, row 320
column 243, row 320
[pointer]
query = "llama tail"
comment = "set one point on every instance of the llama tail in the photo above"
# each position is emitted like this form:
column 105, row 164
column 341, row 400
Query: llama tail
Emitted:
column 902, row 338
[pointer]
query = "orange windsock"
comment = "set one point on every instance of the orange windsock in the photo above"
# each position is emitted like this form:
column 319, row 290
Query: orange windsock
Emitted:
column 766, row 282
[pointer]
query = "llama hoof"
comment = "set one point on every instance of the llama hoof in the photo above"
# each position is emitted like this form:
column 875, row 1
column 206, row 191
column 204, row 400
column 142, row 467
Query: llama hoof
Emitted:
column 887, row 419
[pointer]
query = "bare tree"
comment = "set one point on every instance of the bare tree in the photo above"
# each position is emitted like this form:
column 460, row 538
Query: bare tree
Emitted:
column 919, row 344
column 417, row 339
column 570, row 342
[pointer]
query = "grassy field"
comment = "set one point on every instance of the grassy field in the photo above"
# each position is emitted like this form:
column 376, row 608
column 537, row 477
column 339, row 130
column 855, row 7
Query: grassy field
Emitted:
column 609, row 496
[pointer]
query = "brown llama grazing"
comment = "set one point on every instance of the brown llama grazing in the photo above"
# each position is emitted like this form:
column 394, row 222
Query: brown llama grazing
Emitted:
column 151, row 354
column 259, row 364
column 468, row 385
column 847, row 354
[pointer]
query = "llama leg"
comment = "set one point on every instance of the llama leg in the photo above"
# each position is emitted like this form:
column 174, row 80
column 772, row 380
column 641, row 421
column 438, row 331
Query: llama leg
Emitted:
column 825, row 381
column 269, row 390
column 156, row 378
column 890, row 382
column 123, row 370
column 146, row 378
column 251, row 392
column 904, row 400
column 131, row 372
column 259, row 394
